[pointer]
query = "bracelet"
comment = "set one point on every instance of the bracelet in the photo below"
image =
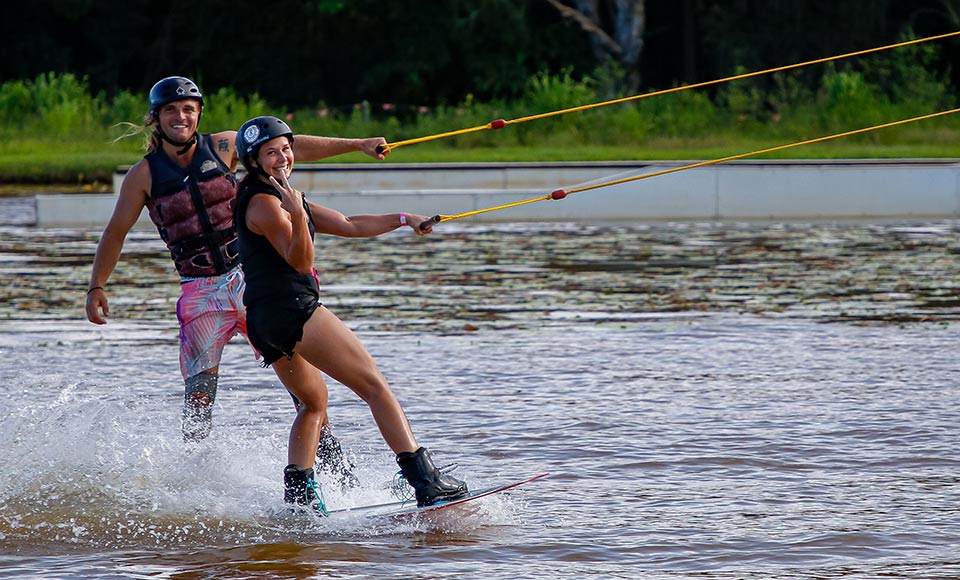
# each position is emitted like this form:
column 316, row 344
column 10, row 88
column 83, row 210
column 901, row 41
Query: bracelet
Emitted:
column 403, row 218
column 94, row 288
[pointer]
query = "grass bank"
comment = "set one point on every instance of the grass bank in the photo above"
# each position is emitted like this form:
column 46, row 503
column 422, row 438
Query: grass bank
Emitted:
column 53, row 131
column 26, row 166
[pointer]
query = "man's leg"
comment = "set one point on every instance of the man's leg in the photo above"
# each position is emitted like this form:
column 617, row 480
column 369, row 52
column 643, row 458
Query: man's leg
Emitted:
column 200, row 391
column 331, row 459
column 210, row 314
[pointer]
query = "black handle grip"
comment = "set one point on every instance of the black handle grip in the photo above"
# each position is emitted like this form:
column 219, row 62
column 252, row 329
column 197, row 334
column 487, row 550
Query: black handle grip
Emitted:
column 382, row 148
column 429, row 223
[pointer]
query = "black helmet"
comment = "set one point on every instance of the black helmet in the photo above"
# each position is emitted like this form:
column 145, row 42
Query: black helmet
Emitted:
column 173, row 89
column 258, row 131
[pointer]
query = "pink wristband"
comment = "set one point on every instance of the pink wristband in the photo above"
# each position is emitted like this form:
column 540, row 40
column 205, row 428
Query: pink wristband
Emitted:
column 403, row 218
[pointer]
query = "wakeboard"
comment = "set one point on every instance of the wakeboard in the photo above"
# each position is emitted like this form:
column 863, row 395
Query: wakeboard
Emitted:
column 408, row 508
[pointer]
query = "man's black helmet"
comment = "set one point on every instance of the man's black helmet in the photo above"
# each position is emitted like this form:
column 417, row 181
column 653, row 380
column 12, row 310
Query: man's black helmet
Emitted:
column 258, row 131
column 173, row 89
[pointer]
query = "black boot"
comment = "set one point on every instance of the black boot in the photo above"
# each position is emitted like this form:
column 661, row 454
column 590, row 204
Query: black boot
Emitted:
column 428, row 482
column 300, row 488
column 330, row 459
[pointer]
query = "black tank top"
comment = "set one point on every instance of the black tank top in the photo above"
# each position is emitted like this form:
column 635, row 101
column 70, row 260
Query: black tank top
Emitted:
column 268, row 276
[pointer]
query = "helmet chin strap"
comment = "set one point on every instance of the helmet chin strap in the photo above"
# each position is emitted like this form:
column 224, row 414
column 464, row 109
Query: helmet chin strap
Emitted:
column 262, row 172
column 259, row 171
column 185, row 144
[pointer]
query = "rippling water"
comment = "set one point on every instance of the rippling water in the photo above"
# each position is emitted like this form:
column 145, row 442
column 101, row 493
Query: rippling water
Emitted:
column 792, row 417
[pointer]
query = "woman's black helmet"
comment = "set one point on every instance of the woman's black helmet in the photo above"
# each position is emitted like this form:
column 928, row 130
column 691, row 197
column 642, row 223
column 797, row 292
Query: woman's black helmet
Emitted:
column 173, row 89
column 256, row 132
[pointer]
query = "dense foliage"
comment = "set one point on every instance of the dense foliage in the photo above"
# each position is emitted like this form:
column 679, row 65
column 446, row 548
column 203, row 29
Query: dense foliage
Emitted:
column 414, row 53
column 76, row 73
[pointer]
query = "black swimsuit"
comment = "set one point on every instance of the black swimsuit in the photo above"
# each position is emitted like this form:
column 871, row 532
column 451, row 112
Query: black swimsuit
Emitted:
column 279, row 300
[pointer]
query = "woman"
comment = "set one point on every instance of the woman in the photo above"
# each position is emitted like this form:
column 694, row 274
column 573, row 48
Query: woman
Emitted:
column 294, row 332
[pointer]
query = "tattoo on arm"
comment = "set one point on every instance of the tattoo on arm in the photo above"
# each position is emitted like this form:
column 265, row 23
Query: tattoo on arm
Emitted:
column 223, row 144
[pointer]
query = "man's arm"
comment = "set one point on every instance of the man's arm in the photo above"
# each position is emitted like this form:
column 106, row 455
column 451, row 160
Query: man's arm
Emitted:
column 305, row 147
column 130, row 202
column 225, row 144
column 315, row 148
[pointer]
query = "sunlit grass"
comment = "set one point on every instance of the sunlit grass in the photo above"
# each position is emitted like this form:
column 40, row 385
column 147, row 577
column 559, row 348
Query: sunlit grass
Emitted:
column 72, row 132
column 87, row 162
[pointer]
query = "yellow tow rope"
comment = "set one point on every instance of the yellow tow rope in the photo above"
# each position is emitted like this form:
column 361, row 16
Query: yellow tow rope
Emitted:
column 562, row 193
column 500, row 123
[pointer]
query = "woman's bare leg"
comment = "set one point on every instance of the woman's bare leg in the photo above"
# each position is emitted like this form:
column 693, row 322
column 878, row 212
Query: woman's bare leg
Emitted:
column 307, row 384
column 329, row 345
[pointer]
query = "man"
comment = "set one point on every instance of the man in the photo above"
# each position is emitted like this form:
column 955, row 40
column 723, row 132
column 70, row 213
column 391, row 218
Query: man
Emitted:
column 186, row 181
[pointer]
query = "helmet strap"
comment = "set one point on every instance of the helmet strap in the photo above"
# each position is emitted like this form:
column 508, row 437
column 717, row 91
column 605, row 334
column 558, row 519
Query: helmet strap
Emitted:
column 187, row 145
column 259, row 171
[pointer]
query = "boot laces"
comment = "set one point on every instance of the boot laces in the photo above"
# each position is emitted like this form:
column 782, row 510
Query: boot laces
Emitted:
column 316, row 502
column 403, row 491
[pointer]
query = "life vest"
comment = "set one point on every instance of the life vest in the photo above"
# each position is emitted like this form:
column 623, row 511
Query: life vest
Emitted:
column 193, row 209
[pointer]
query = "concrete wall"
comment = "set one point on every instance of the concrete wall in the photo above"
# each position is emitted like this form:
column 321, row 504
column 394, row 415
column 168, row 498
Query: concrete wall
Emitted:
column 787, row 190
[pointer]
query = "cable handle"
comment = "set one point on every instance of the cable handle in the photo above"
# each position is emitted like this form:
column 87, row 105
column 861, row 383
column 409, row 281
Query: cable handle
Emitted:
column 382, row 148
column 429, row 223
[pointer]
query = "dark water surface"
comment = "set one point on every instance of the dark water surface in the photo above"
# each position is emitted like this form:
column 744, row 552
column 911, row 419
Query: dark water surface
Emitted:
column 711, row 400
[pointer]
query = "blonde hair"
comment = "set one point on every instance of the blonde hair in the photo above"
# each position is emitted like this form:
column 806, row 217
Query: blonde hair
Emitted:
column 151, row 142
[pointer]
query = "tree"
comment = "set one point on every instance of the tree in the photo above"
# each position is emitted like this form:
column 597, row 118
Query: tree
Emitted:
column 616, row 30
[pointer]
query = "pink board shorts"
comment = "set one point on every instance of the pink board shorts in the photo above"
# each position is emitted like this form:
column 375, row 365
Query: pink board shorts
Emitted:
column 211, row 312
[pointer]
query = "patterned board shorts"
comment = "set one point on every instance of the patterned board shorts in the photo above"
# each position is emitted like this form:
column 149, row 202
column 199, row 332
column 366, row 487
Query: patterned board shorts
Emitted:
column 211, row 312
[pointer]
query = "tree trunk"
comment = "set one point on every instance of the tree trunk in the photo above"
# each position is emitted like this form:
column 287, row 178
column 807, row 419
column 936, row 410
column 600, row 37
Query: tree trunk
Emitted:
column 616, row 30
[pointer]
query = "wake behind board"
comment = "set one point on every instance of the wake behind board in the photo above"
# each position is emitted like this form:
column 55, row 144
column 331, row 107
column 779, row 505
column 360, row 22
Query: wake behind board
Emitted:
column 408, row 508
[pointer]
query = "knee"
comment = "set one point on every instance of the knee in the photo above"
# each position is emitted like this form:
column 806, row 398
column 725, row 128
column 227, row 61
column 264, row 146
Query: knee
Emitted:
column 200, row 390
column 374, row 389
column 313, row 403
column 309, row 414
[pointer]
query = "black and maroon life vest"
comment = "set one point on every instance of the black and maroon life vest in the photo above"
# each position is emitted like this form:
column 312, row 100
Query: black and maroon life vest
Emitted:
column 193, row 210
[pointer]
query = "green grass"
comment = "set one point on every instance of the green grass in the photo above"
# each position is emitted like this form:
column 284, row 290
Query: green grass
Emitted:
column 674, row 150
column 62, row 162
column 92, row 164
column 72, row 131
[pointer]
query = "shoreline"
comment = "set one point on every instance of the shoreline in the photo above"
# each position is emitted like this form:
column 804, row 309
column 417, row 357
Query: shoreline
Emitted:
column 737, row 190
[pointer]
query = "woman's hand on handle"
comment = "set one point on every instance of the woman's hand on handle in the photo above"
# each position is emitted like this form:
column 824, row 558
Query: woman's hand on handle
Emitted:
column 375, row 147
column 415, row 220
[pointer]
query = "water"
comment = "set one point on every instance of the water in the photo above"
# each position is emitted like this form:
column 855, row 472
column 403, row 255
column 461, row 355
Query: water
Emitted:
column 719, row 401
